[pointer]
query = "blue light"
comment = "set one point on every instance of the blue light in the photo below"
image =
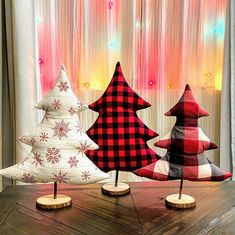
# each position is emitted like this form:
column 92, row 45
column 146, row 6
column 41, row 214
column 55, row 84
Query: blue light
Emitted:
column 38, row 19
column 113, row 45
column 219, row 29
column 214, row 30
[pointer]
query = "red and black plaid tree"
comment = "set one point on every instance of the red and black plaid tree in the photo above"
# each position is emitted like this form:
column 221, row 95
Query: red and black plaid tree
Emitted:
column 185, row 144
column 120, row 134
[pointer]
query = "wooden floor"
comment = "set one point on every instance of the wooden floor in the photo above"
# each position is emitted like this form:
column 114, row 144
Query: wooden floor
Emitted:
column 141, row 212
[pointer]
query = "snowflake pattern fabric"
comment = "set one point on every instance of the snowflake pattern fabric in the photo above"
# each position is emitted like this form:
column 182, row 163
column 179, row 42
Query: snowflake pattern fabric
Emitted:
column 185, row 157
column 61, row 129
column 53, row 155
column 121, row 135
column 58, row 143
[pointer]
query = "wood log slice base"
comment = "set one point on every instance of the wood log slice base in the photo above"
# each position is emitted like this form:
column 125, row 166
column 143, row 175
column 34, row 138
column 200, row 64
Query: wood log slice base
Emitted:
column 110, row 189
column 186, row 202
column 47, row 202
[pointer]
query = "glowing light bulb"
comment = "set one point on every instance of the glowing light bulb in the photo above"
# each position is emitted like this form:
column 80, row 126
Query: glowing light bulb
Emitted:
column 113, row 45
column 220, row 28
column 86, row 84
column 150, row 83
column 208, row 74
column 137, row 24
column 40, row 61
column 217, row 30
column 38, row 19
column 169, row 86
column 110, row 5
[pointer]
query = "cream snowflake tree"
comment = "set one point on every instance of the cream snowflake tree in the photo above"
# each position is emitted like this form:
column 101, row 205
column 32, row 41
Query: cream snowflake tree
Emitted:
column 58, row 144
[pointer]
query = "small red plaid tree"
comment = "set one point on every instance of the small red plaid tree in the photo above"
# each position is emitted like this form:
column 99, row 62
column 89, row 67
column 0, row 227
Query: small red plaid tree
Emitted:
column 185, row 144
column 120, row 134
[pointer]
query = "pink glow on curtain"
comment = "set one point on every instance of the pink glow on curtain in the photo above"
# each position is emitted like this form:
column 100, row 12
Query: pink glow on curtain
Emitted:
column 162, row 45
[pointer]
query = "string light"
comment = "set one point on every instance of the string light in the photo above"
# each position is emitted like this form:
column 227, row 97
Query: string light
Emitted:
column 86, row 84
column 137, row 24
column 150, row 83
column 110, row 5
column 216, row 29
column 219, row 29
column 113, row 45
column 40, row 61
column 208, row 75
column 38, row 19
column 169, row 86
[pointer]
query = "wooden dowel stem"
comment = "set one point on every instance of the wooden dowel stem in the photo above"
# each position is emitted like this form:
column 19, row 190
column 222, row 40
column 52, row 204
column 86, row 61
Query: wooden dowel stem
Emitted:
column 116, row 178
column 55, row 190
column 181, row 186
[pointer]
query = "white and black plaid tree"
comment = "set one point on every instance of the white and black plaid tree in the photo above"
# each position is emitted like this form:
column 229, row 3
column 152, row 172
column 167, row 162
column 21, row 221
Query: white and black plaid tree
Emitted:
column 185, row 144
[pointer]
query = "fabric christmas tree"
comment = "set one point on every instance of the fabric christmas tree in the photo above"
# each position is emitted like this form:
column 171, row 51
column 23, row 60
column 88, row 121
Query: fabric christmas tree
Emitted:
column 58, row 143
column 185, row 144
column 122, row 137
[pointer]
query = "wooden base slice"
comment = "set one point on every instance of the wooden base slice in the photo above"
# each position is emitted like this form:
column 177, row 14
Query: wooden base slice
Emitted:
column 48, row 202
column 111, row 190
column 186, row 202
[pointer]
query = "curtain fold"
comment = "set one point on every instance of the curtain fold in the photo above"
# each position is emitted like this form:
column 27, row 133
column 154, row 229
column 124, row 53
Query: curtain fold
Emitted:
column 19, row 88
column 1, row 75
column 227, row 147
column 7, row 90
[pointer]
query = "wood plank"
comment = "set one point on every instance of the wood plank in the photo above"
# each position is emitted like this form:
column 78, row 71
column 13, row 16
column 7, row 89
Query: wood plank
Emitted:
column 105, row 206
column 214, row 206
column 94, row 190
column 110, row 210
column 94, row 213
column 7, row 202
column 91, row 215
column 24, row 221
column 156, row 219
column 221, row 225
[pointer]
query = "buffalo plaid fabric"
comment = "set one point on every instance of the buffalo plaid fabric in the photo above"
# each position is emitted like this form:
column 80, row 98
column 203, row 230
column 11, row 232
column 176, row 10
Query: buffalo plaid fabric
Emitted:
column 186, row 140
column 118, row 131
column 190, row 167
column 187, row 109
column 186, row 144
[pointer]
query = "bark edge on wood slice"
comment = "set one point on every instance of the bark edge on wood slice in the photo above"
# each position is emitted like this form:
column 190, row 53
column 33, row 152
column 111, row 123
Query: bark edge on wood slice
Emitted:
column 120, row 190
column 47, row 202
column 186, row 202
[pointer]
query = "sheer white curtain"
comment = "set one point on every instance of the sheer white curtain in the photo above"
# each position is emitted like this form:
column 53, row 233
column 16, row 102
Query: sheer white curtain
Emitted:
column 162, row 45
column 26, row 75
column 227, row 150
column 19, row 78
column 1, row 75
